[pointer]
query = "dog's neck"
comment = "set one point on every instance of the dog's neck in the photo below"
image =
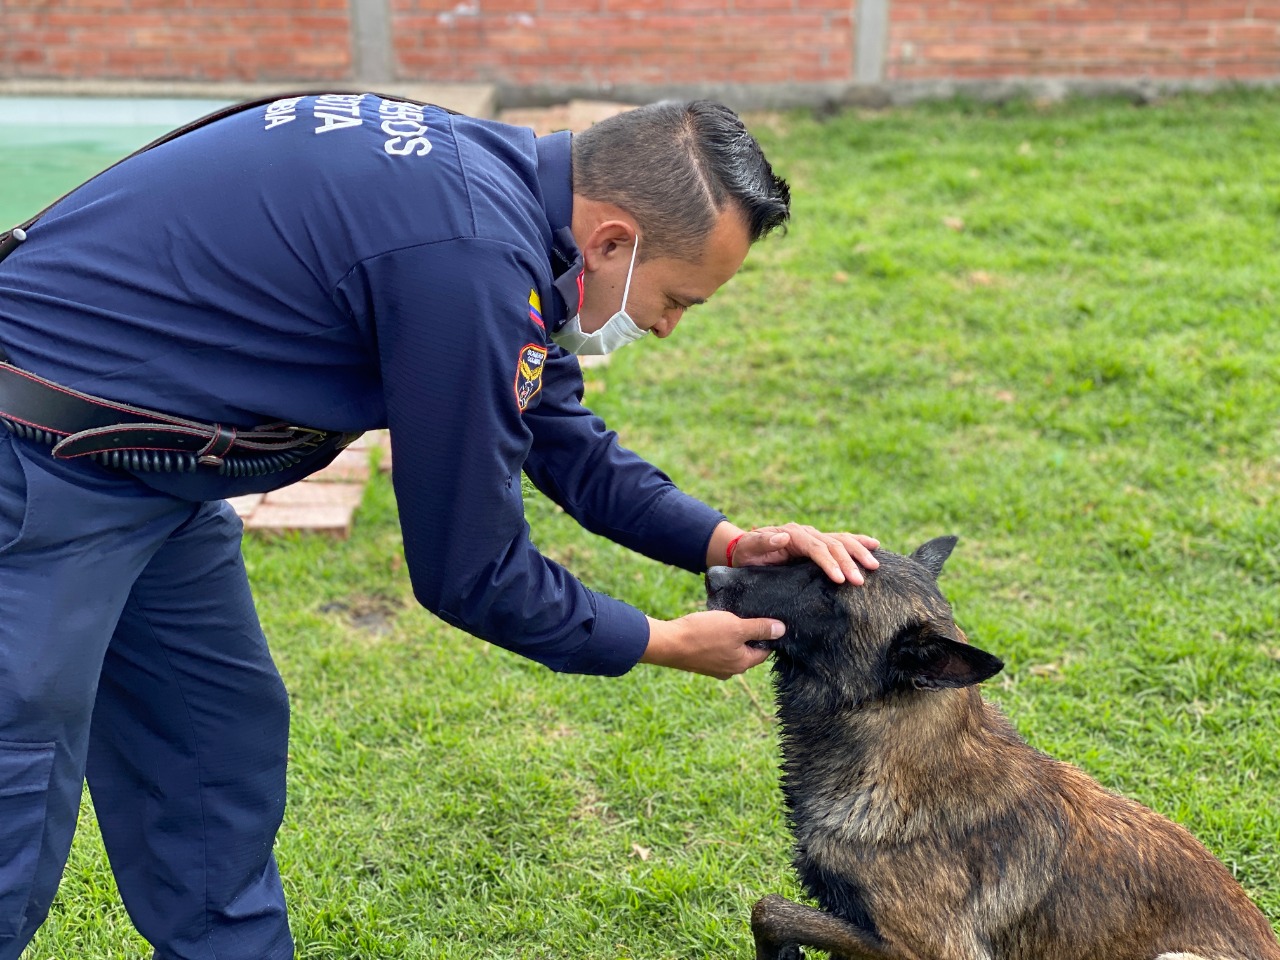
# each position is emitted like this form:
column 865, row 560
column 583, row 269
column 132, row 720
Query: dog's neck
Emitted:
column 882, row 771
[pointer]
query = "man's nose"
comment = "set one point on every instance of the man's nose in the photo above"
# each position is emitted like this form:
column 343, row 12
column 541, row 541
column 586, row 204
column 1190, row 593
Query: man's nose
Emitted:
column 666, row 324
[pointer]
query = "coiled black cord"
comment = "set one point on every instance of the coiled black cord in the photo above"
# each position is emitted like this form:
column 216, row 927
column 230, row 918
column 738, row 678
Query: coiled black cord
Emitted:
column 170, row 461
column 33, row 434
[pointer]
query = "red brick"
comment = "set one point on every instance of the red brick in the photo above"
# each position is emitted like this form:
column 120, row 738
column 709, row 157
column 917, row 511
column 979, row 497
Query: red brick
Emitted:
column 336, row 24
column 75, row 19
column 1246, row 53
column 907, row 13
column 210, row 61
column 926, row 33
column 820, row 74
column 1086, row 13
column 983, row 33
column 502, row 12
column 580, row 7
column 43, row 38
column 151, row 37
column 1216, row 11
column 140, row 59
column 77, row 61
column 524, row 41
column 1234, row 33
column 253, row 60
column 966, row 11
column 19, row 24
column 424, row 63
column 1024, row 12
column 1180, row 70
column 1163, row 12
column 1256, row 70
column 952, row 52
column 1180, row 32
column 898, row 70
column 29, row 56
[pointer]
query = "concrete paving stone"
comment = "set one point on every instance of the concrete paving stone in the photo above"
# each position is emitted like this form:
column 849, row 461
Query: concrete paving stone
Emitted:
column 584, row 113
column 308, row 493
column 332, row 519
column 244, row 506
column 307, row 506
column 576, row 115
column 379, row 440
column 350, row 466
column 542, row 120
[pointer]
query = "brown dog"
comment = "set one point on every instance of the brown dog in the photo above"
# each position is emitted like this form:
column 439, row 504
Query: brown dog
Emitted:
column 926, row 828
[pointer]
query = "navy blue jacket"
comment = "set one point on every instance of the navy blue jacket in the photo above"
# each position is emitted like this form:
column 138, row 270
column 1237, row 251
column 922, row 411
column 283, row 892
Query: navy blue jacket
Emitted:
column 353, row 263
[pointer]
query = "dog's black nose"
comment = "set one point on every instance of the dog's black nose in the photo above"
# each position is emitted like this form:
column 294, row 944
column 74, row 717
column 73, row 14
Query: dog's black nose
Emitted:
column 717, row 579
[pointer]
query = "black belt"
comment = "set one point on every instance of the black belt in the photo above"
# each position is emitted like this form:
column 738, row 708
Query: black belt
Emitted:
column 77, row 424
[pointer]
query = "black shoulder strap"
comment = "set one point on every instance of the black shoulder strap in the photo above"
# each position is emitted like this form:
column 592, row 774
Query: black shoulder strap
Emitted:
column 10, row 239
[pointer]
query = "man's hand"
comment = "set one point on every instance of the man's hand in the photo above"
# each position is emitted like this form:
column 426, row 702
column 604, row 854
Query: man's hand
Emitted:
column 713, row 643
column 842, row 556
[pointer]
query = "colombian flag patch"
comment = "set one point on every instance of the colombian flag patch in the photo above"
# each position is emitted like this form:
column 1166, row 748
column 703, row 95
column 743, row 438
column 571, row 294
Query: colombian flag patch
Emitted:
column 535, row 309
column 533, row 357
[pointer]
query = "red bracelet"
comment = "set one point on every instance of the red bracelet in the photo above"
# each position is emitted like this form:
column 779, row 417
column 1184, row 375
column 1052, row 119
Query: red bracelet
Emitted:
column 728, row 551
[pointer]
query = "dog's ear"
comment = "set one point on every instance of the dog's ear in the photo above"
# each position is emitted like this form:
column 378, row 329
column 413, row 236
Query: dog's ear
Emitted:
column 930, row 661
column 934, row 553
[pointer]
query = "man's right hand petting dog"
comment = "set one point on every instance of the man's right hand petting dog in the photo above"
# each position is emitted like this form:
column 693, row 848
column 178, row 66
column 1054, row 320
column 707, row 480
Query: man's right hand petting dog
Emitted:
column 926, row 828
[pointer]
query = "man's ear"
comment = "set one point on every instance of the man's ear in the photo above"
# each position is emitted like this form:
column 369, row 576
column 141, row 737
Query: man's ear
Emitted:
column 604, row 239
column 930, row 661
column 934, row 553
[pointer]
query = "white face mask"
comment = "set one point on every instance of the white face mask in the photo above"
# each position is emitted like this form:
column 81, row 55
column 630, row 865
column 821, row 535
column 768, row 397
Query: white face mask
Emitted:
column 617, row 332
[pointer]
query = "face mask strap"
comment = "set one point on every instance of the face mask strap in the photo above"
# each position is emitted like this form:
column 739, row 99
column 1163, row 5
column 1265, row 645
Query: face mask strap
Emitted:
column 626, row 290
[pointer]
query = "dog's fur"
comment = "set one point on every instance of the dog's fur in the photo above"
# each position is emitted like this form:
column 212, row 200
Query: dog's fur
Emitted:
column 926, row 828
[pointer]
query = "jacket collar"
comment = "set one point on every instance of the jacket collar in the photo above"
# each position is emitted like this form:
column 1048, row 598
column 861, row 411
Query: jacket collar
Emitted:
column 555, row 177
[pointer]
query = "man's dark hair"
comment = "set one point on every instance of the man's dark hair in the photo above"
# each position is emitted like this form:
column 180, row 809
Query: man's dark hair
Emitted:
column 675, row 166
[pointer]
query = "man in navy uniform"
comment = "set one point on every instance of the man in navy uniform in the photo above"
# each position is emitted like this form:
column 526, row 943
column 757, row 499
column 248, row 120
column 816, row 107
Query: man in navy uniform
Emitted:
column 216, row 315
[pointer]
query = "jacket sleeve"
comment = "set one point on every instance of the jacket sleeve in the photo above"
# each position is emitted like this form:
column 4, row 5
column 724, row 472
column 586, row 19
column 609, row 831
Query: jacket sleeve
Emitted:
column 451, row 322
column 578, row 463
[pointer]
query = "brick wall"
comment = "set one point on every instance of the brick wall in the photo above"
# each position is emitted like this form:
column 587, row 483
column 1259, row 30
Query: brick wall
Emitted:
column 246, row 40
column 612, row 42
column 593, row 46
column 1086, row 39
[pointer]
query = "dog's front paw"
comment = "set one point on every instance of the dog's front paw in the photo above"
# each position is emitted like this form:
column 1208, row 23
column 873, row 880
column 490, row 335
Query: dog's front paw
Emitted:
column 790, row 951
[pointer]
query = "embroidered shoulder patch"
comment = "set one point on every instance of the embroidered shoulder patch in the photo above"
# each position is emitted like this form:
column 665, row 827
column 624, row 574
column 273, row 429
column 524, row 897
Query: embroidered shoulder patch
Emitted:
column 533, row 358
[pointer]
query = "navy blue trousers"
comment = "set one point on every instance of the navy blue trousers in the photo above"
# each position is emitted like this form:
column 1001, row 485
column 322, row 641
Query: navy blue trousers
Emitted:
column 131, row 657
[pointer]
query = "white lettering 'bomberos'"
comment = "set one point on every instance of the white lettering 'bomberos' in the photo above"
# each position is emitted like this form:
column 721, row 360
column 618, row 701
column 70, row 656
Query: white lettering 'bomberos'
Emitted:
column 280, row 112
column 405, row 129
column 338, row 111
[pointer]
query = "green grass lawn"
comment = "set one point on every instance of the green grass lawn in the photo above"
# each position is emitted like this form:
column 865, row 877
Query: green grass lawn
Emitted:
column 1050, row 331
